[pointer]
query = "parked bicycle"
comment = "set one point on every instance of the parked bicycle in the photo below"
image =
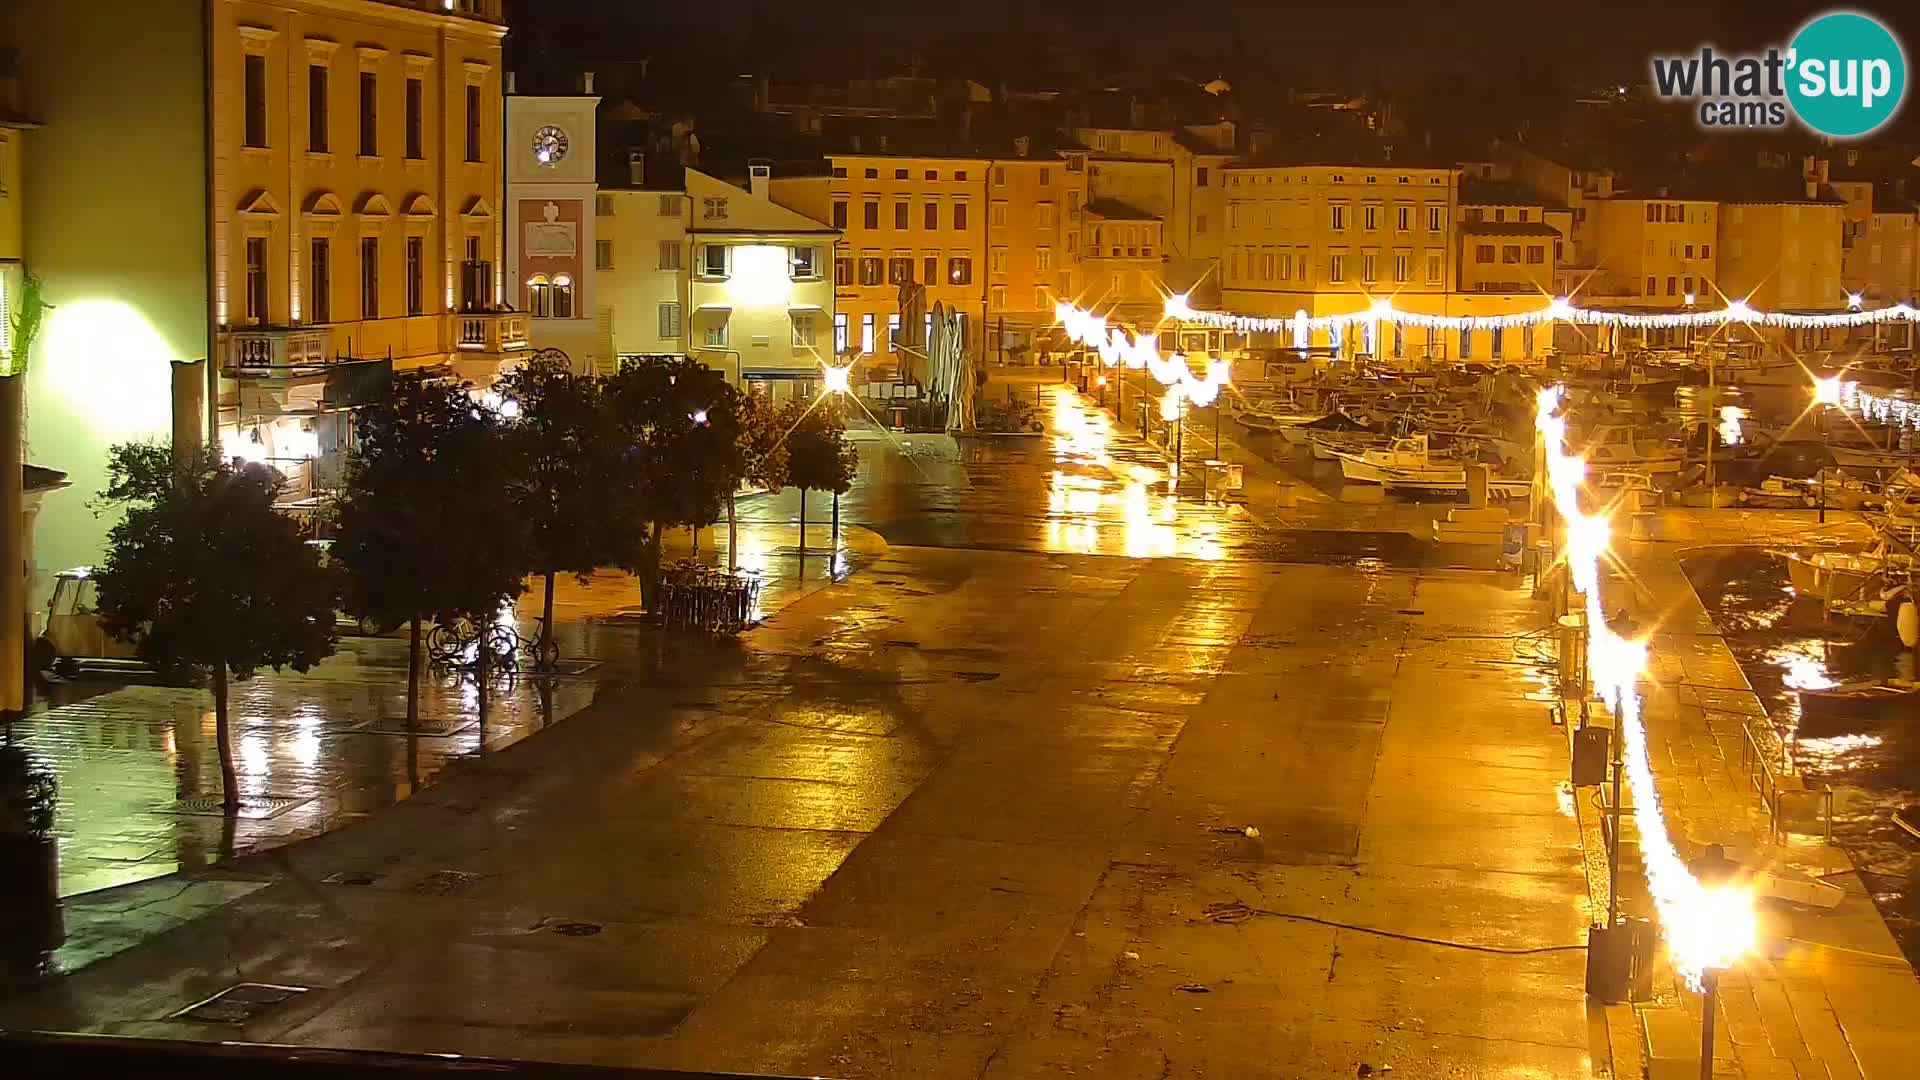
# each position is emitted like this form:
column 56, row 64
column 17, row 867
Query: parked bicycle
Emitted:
column 694, row 596
column 457, row 644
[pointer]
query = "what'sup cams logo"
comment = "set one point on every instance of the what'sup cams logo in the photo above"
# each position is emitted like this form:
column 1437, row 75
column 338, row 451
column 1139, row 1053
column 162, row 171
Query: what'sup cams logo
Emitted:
column 1844, row 75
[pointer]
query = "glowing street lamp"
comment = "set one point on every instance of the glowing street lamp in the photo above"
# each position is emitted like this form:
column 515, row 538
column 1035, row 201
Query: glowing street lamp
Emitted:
column 1826, row 394
column 836, row 380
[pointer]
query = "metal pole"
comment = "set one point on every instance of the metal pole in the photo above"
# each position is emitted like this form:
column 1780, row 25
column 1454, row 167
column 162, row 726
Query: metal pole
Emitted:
column 1713, row 412
column 1712, row 1004
column 1826, row 453
column 1216, row 429
column 1179, row 439
column 1613, row 855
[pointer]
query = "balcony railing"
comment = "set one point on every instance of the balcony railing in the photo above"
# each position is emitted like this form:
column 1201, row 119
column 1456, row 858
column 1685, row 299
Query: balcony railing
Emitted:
column 277, row 350
column 490, row 331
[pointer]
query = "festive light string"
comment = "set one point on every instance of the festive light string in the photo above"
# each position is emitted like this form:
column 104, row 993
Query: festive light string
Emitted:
column 1142, row 351
column 1706, row 926
column 1560, row 309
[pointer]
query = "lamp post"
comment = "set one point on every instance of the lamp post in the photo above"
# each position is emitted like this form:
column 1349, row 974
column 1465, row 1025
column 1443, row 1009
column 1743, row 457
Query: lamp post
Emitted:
column 1826, row 394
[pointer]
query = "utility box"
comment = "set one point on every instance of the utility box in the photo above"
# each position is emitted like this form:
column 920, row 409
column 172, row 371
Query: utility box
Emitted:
column 1590, row 747
column 1620, row 961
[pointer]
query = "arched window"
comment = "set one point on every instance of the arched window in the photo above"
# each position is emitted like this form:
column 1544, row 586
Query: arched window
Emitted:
column 562, row 297
column 539, row 297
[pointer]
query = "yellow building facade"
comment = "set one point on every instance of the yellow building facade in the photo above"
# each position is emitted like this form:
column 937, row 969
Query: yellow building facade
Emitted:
column 274, row 188
column 1034, row 211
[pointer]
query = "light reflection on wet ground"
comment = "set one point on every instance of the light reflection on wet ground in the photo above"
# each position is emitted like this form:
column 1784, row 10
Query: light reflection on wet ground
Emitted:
column 1873, row 762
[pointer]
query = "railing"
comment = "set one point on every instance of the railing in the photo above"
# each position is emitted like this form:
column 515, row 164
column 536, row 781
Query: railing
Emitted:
column 265, row 350
column 1766, row 778
column 491, row 331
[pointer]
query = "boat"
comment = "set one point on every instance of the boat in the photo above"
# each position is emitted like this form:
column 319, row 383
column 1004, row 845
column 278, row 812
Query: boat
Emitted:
column 1335, row 422
column 1619, row 446
column 1831, row 576
column 1907, row 820
column 1328, row 446
column 1408, row 462
column 1859, row 698
column 1882, row 460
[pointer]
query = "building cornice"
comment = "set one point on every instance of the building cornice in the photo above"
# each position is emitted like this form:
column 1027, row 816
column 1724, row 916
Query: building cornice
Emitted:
column 404, row 14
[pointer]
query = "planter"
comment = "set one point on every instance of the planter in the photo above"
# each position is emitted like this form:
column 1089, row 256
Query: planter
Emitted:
column 30, row 919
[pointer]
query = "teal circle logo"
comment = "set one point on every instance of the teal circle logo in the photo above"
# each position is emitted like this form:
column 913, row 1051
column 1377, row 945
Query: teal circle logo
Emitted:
column 1846, row 74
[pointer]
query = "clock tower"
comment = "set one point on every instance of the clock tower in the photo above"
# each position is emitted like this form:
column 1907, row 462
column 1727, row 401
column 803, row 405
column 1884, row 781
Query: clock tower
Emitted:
column 551, row 239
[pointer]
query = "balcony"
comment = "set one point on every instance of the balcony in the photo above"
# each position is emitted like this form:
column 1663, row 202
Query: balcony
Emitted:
column 277, row 352
column 496, row 332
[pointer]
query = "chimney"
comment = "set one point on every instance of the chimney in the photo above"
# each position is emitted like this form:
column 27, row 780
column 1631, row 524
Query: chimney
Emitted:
column 1853, row 156
column 510, row 84
column 760, row 180
column 586, row 82
column 1822, row 171
column 637, row 168
column 1813, row 189
column 1021, row 144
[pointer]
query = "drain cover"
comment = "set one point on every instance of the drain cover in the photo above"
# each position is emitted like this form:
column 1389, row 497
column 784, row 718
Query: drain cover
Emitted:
column 445, row 883
column 253, row 807
column 239, row 1003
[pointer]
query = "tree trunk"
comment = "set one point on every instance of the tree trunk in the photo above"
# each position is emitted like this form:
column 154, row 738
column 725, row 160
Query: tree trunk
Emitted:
column 483, row 672
column 803, row 521
column 546, row 616
column 733, row 535
column 650, row 565
column 229, row 779
column 834, row 548
column 413, row 672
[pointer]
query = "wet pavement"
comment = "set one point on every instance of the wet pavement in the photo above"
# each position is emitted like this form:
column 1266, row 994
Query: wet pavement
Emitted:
column 1067, row 778
column 139, row 771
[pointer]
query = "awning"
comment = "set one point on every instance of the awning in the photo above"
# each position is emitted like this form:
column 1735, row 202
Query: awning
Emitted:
column 697, row 308
column 358, row 382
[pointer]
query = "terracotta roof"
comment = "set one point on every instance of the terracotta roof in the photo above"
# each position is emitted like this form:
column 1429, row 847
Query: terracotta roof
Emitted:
column 1508, row 228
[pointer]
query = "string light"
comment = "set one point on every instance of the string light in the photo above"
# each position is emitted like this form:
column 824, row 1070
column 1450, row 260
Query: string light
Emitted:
column 1559, row 309
column 1142, row 352
column 1707, row 927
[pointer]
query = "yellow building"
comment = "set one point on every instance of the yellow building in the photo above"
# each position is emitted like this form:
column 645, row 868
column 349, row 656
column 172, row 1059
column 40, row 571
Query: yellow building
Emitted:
column 901, row 218
column 1780, row 242
column 1034, row 239
column 332, row 200
column 1878, row 262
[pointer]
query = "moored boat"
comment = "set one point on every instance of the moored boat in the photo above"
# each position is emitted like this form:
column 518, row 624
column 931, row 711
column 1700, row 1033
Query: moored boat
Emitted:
column 1860, row 698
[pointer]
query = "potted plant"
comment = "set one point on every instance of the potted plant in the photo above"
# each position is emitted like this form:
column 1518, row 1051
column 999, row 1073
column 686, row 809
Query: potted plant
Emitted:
column 30, row 920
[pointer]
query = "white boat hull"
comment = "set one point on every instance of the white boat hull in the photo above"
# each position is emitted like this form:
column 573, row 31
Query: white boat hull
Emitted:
column 1823, row 577
column 1847, row 457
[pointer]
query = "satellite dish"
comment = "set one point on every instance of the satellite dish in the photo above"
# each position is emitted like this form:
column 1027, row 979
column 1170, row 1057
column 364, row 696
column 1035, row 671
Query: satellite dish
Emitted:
column 1908, row 623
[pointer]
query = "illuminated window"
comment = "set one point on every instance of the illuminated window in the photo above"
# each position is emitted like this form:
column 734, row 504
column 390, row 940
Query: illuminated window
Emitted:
column 804, row 263
column 716, row 336
column 866, row 333
column 893, row 332
column 843, row 271
column 840, row 333
column 539, row 296
column 960, row 271
column 870, row 268
column 900, row 270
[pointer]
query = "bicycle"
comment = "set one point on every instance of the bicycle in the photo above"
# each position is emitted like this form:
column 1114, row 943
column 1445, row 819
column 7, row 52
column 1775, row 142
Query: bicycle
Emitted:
column 447, row 642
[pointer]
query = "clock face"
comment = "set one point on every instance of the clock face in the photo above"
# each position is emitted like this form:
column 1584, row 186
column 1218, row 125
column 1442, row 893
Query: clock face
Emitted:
column 549, row 145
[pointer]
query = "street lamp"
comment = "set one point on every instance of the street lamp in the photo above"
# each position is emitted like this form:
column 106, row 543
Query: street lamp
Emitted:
column 1826, row 394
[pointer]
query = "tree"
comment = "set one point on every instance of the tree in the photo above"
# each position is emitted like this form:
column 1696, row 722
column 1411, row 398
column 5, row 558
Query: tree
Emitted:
column 763, row 448
column 680, row 452
column 428, row 527
column 819, row 458
column 202, row 572
column 563, row 444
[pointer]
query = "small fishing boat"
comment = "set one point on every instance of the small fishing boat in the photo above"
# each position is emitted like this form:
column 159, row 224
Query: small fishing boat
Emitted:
column 1859, row 698
column 1409, row 462
column 1833, row 575
column 1619, row 446
column 1907, row 820
column 1878, row 460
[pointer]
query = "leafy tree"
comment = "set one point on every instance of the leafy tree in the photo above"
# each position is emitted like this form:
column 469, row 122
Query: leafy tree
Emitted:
column 428, row 527
column 680, row 450
column 563, row 444
column 763, row 447
column 819, row 458
column 202, row 572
